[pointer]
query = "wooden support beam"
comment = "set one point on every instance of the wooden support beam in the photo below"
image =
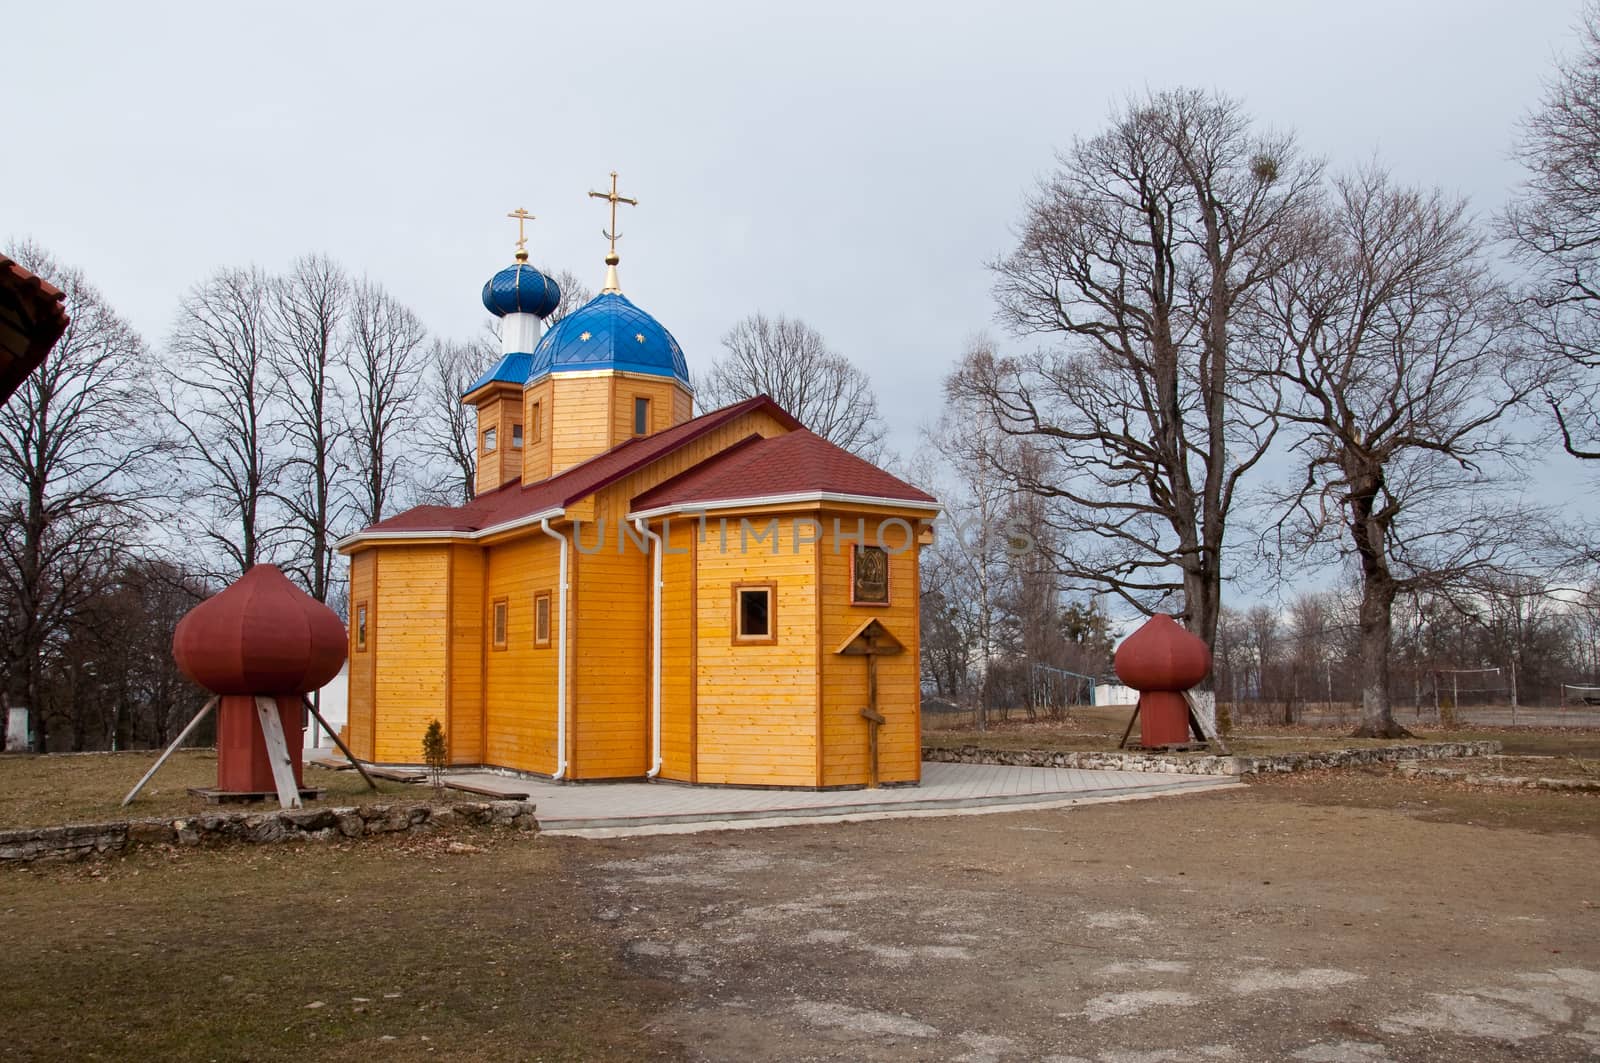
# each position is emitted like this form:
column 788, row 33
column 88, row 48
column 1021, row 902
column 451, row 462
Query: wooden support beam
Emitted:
column 278, row 752
column 176, row 742
column 1128, row 730
column 351, row 757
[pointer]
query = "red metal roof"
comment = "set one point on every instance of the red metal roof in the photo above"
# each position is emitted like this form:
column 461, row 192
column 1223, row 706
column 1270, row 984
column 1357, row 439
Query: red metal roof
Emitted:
column 514, row 500
column 32, row 319
column 800, row 463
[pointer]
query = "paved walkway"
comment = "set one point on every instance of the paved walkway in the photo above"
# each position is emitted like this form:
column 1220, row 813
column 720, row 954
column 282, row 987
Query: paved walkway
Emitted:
column 946, row 789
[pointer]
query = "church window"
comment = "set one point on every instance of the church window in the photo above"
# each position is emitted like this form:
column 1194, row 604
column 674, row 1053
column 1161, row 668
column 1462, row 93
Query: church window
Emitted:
column 541, row 619
column 535, row 419
column 361, row 626
column 641, row 416
column 499, row 623
column 754, row 619
column 516, row 437
column 488, row 440
column 869, row 576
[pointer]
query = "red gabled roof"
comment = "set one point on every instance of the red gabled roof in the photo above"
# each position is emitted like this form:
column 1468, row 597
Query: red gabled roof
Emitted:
column 514, row 500
column 32, row 319
column 800, row 463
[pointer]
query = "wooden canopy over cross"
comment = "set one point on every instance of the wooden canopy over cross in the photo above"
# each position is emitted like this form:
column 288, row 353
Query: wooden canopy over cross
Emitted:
column 872, row 640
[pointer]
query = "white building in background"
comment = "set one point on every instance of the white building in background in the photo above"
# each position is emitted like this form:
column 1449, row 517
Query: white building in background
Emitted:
column 335, row 708
column 1114, row 694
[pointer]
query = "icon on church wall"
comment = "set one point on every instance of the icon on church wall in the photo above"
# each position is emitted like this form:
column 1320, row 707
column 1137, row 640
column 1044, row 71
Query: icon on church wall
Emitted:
column 869, row 576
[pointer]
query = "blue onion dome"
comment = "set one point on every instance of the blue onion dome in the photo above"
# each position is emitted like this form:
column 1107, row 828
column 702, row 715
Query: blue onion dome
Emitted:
column 521, row 289
column 609, row 332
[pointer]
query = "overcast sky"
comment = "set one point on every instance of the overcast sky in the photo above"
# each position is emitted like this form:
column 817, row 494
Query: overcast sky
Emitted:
column 851, row 164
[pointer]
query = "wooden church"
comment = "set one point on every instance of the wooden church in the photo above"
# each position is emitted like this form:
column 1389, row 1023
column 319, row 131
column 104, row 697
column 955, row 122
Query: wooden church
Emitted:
column 637, row 591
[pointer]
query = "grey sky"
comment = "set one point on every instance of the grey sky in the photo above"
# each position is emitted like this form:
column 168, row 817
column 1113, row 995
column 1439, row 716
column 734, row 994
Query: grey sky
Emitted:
column 852, row 164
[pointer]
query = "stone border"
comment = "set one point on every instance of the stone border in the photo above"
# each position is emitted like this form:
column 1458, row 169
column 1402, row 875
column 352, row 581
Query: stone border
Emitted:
column 1207, row 765
column 1513, row 782
column 80, row 841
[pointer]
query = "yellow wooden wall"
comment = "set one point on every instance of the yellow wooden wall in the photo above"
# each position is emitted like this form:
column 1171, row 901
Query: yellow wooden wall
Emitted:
column 358, row 723
column 537, row 448
column 756, row 708
column 502, row 411
column 409, row 621
column 520, row 680
column 659, row 390
column 677, row 659
column 464, row 728
column 593, row 412
column 611, row 618
column 844, row 679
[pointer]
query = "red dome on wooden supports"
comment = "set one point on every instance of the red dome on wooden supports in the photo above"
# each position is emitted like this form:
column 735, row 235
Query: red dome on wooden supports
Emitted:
column 264, row 638
column 1162, row 660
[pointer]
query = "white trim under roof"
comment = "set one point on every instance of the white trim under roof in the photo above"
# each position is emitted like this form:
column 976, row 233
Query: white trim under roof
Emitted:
column 446, row 535
column 783, row 500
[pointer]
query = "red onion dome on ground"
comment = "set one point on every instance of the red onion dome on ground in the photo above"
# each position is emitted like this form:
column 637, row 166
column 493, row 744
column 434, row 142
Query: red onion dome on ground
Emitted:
column 262, row 635
column 1162, row 655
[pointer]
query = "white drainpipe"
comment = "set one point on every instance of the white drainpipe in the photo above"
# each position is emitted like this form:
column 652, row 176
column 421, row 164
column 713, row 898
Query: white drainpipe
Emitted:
column 561, row 657
column 643, row 527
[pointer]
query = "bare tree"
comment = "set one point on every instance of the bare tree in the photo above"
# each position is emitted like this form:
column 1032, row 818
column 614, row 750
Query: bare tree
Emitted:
column 75, row 448
column 1145, row 256
column 1396, row 390
column 789, row 360
column 306, row 318
column 1554, row 229
column 218, row 395
column 386, row 361
column 574, row 293
column 448, row 432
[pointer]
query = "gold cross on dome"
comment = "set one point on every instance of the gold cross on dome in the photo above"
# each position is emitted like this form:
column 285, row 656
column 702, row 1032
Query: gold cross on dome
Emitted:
column 523, row 217
column 613, row 199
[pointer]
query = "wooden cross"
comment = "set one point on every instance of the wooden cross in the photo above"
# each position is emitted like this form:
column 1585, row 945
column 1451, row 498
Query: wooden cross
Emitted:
column 613, row 199
column 523, row 217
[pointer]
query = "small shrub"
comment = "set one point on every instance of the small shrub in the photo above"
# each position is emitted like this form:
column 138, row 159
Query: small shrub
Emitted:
column 435, row 754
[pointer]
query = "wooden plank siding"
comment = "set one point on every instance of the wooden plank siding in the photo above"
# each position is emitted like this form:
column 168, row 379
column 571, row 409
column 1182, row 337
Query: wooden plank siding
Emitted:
column 409, row 620
column 537, row 433
column 611, row 615
column 756, row 704
column 465, row 729
column 844, row 679
column 359, row 719
column 677, row 660
column 519, row 724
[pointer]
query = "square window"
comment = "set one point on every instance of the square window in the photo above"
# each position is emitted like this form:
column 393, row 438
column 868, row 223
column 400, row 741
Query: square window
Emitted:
column 516, row 437
column 361, row 626
column 641, row 417
column 869, row 576
column 488, row 440
column 541, row 619
column 753, row 614
column 499, row 624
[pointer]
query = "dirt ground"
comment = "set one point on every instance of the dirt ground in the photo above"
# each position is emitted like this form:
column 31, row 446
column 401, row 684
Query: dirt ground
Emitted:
column 1340, row 918
column 1327, row 917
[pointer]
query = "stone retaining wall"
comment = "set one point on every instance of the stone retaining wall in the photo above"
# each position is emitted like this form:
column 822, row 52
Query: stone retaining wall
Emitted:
column 1208, row 765
column 79, row 841
column 1510, row 781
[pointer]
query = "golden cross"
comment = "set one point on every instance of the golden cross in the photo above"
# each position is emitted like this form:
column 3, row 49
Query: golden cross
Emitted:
column 614, row 199
column 523, row 217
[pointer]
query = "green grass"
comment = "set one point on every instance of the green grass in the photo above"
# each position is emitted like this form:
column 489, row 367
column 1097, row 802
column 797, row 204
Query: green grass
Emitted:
column 393, row 950
column 42, row 791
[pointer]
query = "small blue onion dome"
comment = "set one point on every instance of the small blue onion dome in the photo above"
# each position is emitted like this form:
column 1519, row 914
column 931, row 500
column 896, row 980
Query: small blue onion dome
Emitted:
column 609, row 332
column 521, row 289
